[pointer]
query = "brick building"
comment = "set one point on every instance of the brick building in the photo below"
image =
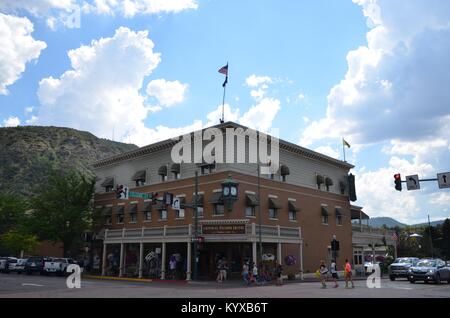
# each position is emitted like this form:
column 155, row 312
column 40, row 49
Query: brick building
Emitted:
column 302, row 205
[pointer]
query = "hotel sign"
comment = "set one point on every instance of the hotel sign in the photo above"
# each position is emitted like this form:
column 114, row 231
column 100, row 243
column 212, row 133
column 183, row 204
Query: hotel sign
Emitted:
column 224, row 229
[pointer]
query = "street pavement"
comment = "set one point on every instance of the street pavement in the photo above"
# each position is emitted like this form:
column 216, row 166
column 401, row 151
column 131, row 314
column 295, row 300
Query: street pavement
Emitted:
column 36, row 286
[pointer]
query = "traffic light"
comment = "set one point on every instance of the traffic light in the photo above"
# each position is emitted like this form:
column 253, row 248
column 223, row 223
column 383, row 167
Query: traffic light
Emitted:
column 398, row 182
column 334, row 245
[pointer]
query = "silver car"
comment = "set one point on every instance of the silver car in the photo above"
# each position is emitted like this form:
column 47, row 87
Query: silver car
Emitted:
column 401, row 266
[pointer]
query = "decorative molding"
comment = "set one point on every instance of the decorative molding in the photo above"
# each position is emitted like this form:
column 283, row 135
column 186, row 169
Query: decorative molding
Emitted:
column 291, row 199
column 224, row 221
column 250, row 192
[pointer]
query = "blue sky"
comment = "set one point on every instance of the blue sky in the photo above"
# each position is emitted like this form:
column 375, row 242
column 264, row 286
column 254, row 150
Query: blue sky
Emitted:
column 317, row 70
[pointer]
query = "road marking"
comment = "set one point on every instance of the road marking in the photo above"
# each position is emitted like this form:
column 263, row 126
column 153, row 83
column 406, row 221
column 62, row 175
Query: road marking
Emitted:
column 37, row 285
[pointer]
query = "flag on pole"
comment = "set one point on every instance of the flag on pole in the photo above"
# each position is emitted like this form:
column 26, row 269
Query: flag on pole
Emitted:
column 224, row 70
column 345, row 143
column 395, row 236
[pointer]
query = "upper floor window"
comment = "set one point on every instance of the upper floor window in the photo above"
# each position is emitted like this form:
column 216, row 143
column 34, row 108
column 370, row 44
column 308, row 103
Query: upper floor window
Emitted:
column 162, row 172
column 108, row 184
column 219, row 209
column 292, row 210
column 139, row 178
column 273, row 213
column 284, row 172
column 250, row 211
column 324, row 215
column 163, row 215
column 208, row 169
column 175, row 169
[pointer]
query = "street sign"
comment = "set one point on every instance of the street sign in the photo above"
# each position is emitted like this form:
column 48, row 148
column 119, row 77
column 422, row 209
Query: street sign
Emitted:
column 132, row 194
column 412, row 182
column 168, row 198
column 176, row 204
column 444, row 180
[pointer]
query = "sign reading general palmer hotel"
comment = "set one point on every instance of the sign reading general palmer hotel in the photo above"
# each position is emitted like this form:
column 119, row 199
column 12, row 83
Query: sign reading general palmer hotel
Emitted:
column 223, row 229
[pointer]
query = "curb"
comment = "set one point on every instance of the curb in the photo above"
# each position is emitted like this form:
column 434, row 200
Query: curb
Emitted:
column 139, row 280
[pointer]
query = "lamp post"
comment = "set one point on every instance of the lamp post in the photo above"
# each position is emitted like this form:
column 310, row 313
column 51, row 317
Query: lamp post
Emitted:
column 196, row 227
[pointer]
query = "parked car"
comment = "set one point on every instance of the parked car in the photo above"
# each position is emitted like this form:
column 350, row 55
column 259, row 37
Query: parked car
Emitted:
column 401, row 266
column 35, row 264
column 20, row 265
column 429, row 270
column 58, row 265
column 7, row 264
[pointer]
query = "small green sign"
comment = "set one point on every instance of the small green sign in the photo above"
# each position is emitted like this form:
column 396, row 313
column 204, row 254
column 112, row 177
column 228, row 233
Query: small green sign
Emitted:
column 132, row 194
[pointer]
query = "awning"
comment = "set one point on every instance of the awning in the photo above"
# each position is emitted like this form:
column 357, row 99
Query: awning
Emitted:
column 338, row 212
column 251, row 200
column 140, row 175
column 284, row 170
column 274, row 204
column 107, row 211
column 324, row 211
column 357, row 213
column 293, row 206
column 176, row 167
column 109, row 182
column 147, row 207
column 120, row 209
column 133, row 208
column 162, row 171
column 216, row 198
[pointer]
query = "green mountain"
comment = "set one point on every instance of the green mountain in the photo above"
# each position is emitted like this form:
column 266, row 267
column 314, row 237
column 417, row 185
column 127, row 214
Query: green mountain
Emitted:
column 28, row 153
column 390, row 222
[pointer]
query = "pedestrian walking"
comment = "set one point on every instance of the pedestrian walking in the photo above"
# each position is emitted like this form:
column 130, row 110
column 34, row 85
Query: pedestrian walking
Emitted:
column 348, row 274
column 219, row 278
column 245, row 275
column 334, row 273
column 224, row 269
column 323, row 273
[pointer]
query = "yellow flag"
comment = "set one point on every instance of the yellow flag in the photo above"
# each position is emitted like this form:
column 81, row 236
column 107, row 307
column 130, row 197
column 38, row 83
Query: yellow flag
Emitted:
column 345, row 143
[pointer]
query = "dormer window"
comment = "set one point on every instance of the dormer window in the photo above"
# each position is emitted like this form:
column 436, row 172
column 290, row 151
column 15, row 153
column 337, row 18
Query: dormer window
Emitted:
column 139, row 178
column 162, row 172
column 175, row 169
column 284, row 172
column 108, row 184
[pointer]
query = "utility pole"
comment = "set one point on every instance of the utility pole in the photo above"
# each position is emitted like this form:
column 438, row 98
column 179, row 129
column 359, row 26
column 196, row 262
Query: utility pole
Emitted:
column 196, row 228
column 259, row 207
column 431, row 240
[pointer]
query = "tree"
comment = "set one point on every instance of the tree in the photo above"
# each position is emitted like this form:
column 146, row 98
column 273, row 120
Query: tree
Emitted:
column 16, row 241
column 12, row 216
column 62, row 209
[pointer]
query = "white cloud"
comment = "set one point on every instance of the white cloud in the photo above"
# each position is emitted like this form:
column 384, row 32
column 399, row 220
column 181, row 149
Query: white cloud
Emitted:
column 261, row 115
column 18, row 47
column 167, row 93
column 100, row 93
column 33, row 120
column 66, row 12
column 29, row 109
column 395, row 87
column 214, row 116
column 130, row 8
column 395, row 91
column 255, row 81
column 441, row 199
column 11, row 122
column 327, row 150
